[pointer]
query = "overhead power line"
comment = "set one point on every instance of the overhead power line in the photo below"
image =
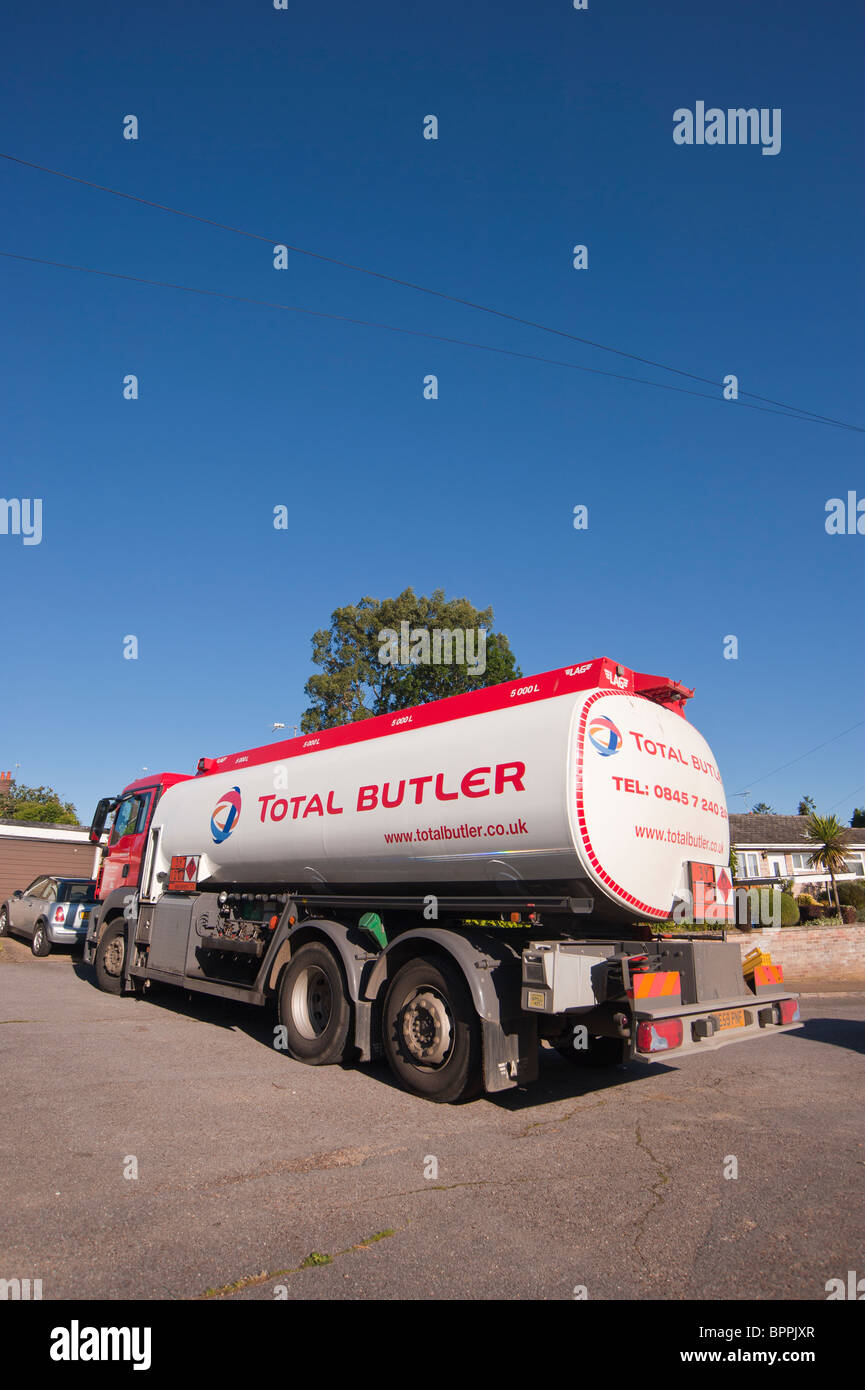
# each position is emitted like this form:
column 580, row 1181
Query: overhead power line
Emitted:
column 834, row 739
column 422, row 289
column 410, row 332
column 848, row 797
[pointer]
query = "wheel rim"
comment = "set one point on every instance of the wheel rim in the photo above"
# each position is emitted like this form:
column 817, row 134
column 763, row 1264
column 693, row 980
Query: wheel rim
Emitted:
column 114, row 953
column 428, row 1028
column 37, row 938
column 311, row 1002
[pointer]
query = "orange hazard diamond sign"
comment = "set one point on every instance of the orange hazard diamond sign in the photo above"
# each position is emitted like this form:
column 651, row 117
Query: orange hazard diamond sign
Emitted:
column 183, row 874
column 712, row 893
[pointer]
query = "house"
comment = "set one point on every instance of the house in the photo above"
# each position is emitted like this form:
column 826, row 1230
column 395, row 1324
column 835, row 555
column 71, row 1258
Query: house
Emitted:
column 770, row 849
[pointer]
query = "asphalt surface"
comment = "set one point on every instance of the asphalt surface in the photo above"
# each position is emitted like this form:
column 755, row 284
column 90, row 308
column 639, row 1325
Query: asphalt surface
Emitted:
column 250, row 1164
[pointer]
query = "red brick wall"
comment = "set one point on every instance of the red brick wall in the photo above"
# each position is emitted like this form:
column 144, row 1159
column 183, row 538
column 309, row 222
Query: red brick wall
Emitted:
column 812, row 954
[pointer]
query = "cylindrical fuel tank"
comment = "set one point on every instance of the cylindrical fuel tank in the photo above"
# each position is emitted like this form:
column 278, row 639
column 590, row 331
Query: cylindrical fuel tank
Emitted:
column 595, row 792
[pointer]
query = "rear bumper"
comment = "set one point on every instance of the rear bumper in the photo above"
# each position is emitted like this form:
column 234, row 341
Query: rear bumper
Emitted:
column 701, row 1025
column 65, row 936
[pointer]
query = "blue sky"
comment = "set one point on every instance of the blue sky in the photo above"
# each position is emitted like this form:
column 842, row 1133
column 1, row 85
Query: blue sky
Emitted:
column 555, row 128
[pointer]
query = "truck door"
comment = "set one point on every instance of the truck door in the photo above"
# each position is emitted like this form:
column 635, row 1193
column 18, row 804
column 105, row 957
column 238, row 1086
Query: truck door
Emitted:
column 127, row 841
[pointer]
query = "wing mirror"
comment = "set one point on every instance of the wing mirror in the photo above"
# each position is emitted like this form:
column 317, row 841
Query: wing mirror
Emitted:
column 100, row 816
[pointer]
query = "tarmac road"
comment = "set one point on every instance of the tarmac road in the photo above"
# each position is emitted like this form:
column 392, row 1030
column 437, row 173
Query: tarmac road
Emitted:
column 249, row 1163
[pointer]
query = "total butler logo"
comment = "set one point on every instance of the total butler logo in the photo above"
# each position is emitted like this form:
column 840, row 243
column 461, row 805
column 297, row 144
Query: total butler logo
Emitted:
column 225, row 816
column 604, row 737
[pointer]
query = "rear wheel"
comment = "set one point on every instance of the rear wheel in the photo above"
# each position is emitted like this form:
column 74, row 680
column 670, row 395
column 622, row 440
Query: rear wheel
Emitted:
column 39, row 944
column 431, row 1032
column 314, row 1008
column 110, row 958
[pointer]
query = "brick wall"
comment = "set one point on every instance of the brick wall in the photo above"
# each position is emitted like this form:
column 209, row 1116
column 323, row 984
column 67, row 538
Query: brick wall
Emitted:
column 812, row 954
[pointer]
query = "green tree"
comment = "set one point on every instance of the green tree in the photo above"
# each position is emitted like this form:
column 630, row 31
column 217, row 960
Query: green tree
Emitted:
column 807, row 806
column 829, row 836
column 857, row 820
column 763, row 809
column 359, row 677
column 36, row 804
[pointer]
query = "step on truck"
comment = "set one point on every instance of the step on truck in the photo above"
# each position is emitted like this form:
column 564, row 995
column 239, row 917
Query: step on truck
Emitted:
column 450, row 887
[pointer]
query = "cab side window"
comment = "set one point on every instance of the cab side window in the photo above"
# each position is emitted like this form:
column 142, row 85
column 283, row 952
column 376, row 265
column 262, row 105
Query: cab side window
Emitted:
column 131, row 816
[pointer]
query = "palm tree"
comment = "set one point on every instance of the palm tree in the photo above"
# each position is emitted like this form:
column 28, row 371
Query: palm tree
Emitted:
column 829, row 836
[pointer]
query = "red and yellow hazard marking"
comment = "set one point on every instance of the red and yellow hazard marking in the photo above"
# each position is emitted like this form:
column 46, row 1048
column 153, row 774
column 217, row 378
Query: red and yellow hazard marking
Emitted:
column 654, row 984
column 769, row 975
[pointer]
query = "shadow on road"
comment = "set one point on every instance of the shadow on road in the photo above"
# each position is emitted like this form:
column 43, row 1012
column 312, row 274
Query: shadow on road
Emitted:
column 838, row 1032
column 557, row 1079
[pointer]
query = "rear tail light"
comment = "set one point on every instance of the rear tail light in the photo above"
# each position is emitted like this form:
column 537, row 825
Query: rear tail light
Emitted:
column 60, row 914
column 660, row 1036
column 789, row 1010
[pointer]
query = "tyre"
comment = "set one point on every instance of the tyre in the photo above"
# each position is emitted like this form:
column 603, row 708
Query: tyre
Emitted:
column 431, row 1032
column 600, row 1052
column 4, row 922
column 314, row 1007
column 110, row 958
column 39, row 943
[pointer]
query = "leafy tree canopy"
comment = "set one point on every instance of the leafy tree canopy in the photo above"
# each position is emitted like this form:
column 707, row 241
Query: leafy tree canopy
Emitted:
column 380, row 655
column 858, row 817
column 807, row 806
column 36, row 804
column 763, row 809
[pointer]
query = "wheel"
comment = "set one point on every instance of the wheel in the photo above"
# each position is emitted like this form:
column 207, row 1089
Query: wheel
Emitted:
column 110, row 956
column 431, row 1032
column 314, row 1007
column 4, row 922
column 600, row 1052
column 39, row 944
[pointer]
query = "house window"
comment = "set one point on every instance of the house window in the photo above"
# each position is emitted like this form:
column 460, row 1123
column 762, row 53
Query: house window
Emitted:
column 855, row 865
column 750, row 866
column 800, row 861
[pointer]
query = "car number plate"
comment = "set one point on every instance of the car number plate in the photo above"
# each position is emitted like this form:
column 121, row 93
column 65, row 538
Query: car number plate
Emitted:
column 731, row 1018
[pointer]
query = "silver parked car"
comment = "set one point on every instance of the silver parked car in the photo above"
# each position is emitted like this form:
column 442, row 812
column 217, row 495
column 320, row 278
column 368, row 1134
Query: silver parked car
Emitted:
column 51, row 912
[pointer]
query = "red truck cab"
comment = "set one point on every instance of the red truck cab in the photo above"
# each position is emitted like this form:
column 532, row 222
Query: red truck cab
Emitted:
column 133, row 812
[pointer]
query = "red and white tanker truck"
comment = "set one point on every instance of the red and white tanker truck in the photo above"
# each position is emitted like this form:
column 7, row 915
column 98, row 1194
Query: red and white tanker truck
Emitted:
column 449, row 886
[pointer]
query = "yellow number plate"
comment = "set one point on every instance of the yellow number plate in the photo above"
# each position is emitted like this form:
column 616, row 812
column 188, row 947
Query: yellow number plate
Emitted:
column 535, row 999
column 731, row 1018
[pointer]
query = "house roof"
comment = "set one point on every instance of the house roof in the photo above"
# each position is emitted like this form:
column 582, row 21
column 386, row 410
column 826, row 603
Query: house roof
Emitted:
column 765, row 830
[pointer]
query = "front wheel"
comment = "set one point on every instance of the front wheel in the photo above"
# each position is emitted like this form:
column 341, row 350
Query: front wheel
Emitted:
column 110, row 958
column 4, row 922
column 314, row 1007
column 431, row 1032
column 40, row 945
